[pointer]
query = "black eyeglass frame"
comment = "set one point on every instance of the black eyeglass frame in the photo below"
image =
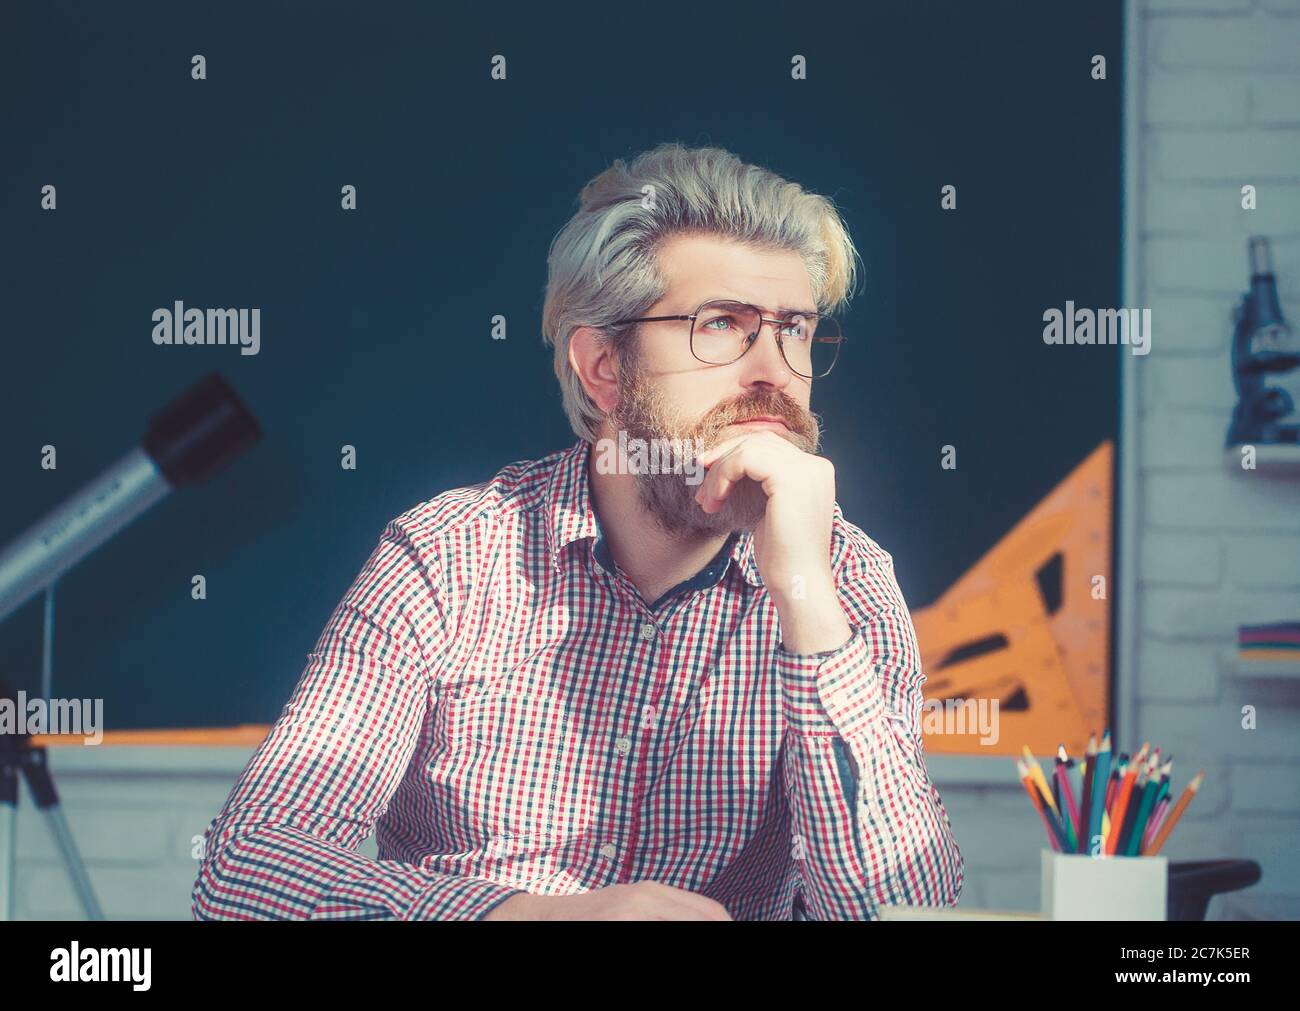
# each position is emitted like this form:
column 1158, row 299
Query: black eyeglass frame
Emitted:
column 752, row 339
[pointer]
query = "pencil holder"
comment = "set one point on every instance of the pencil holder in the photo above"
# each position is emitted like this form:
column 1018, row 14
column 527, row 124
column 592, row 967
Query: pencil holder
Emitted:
column 1077, row 886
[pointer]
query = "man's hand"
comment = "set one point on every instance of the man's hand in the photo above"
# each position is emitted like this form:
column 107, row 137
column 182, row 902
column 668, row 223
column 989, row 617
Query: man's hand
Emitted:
column 792, row 542
column 641, row 900
column 793, row 539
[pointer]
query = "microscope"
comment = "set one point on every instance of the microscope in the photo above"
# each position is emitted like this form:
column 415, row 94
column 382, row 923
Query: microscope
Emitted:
column 1265, row 361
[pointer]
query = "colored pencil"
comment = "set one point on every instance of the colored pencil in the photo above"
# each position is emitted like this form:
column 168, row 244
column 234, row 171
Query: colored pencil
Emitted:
column 1099, row 793
column 1054, row 834
column 1175, row 814
column 1134, row 802
column 1117, row 773
column 1157, row 819
column 1036, row 772
column 1036, row 799
column 1067, row 790
column 1143, row 813
column 1089, row 763
column 1135, row 779
column 1145, row 773
column 1119, row 806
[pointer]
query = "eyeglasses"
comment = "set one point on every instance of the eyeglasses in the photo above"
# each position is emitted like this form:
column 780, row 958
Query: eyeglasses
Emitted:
column 722, row 331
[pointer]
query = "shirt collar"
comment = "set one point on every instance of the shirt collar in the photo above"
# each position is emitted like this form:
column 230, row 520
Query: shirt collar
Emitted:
column 571, row 517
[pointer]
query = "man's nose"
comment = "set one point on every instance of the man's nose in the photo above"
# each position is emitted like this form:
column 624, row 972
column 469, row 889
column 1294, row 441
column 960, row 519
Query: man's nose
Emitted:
column 767, row 358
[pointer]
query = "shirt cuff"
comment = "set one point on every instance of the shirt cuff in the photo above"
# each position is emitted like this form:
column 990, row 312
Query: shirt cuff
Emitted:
column 460, row 898
column 836, row 692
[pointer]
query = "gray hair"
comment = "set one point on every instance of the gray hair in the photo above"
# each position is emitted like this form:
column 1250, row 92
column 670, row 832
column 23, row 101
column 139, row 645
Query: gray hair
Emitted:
column 602, row 264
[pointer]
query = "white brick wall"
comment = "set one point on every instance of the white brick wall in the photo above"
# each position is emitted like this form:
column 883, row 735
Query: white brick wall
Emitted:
column 1217, row 547
column 133, row 828
column 1220, row 107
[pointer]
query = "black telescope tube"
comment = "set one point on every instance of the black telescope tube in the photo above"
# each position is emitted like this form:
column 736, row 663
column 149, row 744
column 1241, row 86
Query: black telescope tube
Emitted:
column 200, row 432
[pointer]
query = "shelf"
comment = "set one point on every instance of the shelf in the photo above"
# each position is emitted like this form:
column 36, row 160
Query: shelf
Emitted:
column 1261, row 670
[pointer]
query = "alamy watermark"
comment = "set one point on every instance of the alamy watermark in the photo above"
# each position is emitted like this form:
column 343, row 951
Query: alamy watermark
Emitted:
column 962, row 716
column 1105, row 326
column 22, row 715
column 650, row 456
column 75, row 964
column 179, row 325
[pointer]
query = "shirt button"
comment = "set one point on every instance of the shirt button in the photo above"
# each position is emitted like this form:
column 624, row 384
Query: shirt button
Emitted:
column 648, row 630
column 623, row 745
column 607, row 851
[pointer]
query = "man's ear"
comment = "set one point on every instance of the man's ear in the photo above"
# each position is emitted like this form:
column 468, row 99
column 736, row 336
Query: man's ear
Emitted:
column 594, row 361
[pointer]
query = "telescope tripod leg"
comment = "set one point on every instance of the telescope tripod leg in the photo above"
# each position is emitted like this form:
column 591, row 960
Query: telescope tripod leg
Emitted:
column 47, row 802
column 8, row 834
column 32, row 763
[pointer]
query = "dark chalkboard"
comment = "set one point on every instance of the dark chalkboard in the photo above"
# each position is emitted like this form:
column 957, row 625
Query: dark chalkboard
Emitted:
column 375, row 323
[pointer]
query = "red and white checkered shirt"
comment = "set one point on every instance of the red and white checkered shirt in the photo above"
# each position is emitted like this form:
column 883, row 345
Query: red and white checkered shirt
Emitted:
column 496, row 701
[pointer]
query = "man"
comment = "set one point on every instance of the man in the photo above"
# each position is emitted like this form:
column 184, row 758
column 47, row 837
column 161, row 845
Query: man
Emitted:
column 591, row 688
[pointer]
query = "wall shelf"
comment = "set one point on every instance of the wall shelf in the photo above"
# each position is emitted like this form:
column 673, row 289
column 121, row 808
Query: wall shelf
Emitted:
column 1259, row 670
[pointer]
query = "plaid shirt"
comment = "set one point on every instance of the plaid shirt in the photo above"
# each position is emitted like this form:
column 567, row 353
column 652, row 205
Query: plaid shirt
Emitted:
column 496, row 701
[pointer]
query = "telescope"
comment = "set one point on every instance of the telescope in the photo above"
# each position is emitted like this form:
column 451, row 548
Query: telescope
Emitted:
column 190, row 439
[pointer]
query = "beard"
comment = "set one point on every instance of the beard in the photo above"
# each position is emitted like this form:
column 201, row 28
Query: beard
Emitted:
column 643, row 412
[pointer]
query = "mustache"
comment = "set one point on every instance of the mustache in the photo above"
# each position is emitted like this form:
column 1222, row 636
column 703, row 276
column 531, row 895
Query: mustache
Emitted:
column 777, row 406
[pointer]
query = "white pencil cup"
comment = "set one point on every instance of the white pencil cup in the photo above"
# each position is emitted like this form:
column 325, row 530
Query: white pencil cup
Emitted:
column 1077, row 886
